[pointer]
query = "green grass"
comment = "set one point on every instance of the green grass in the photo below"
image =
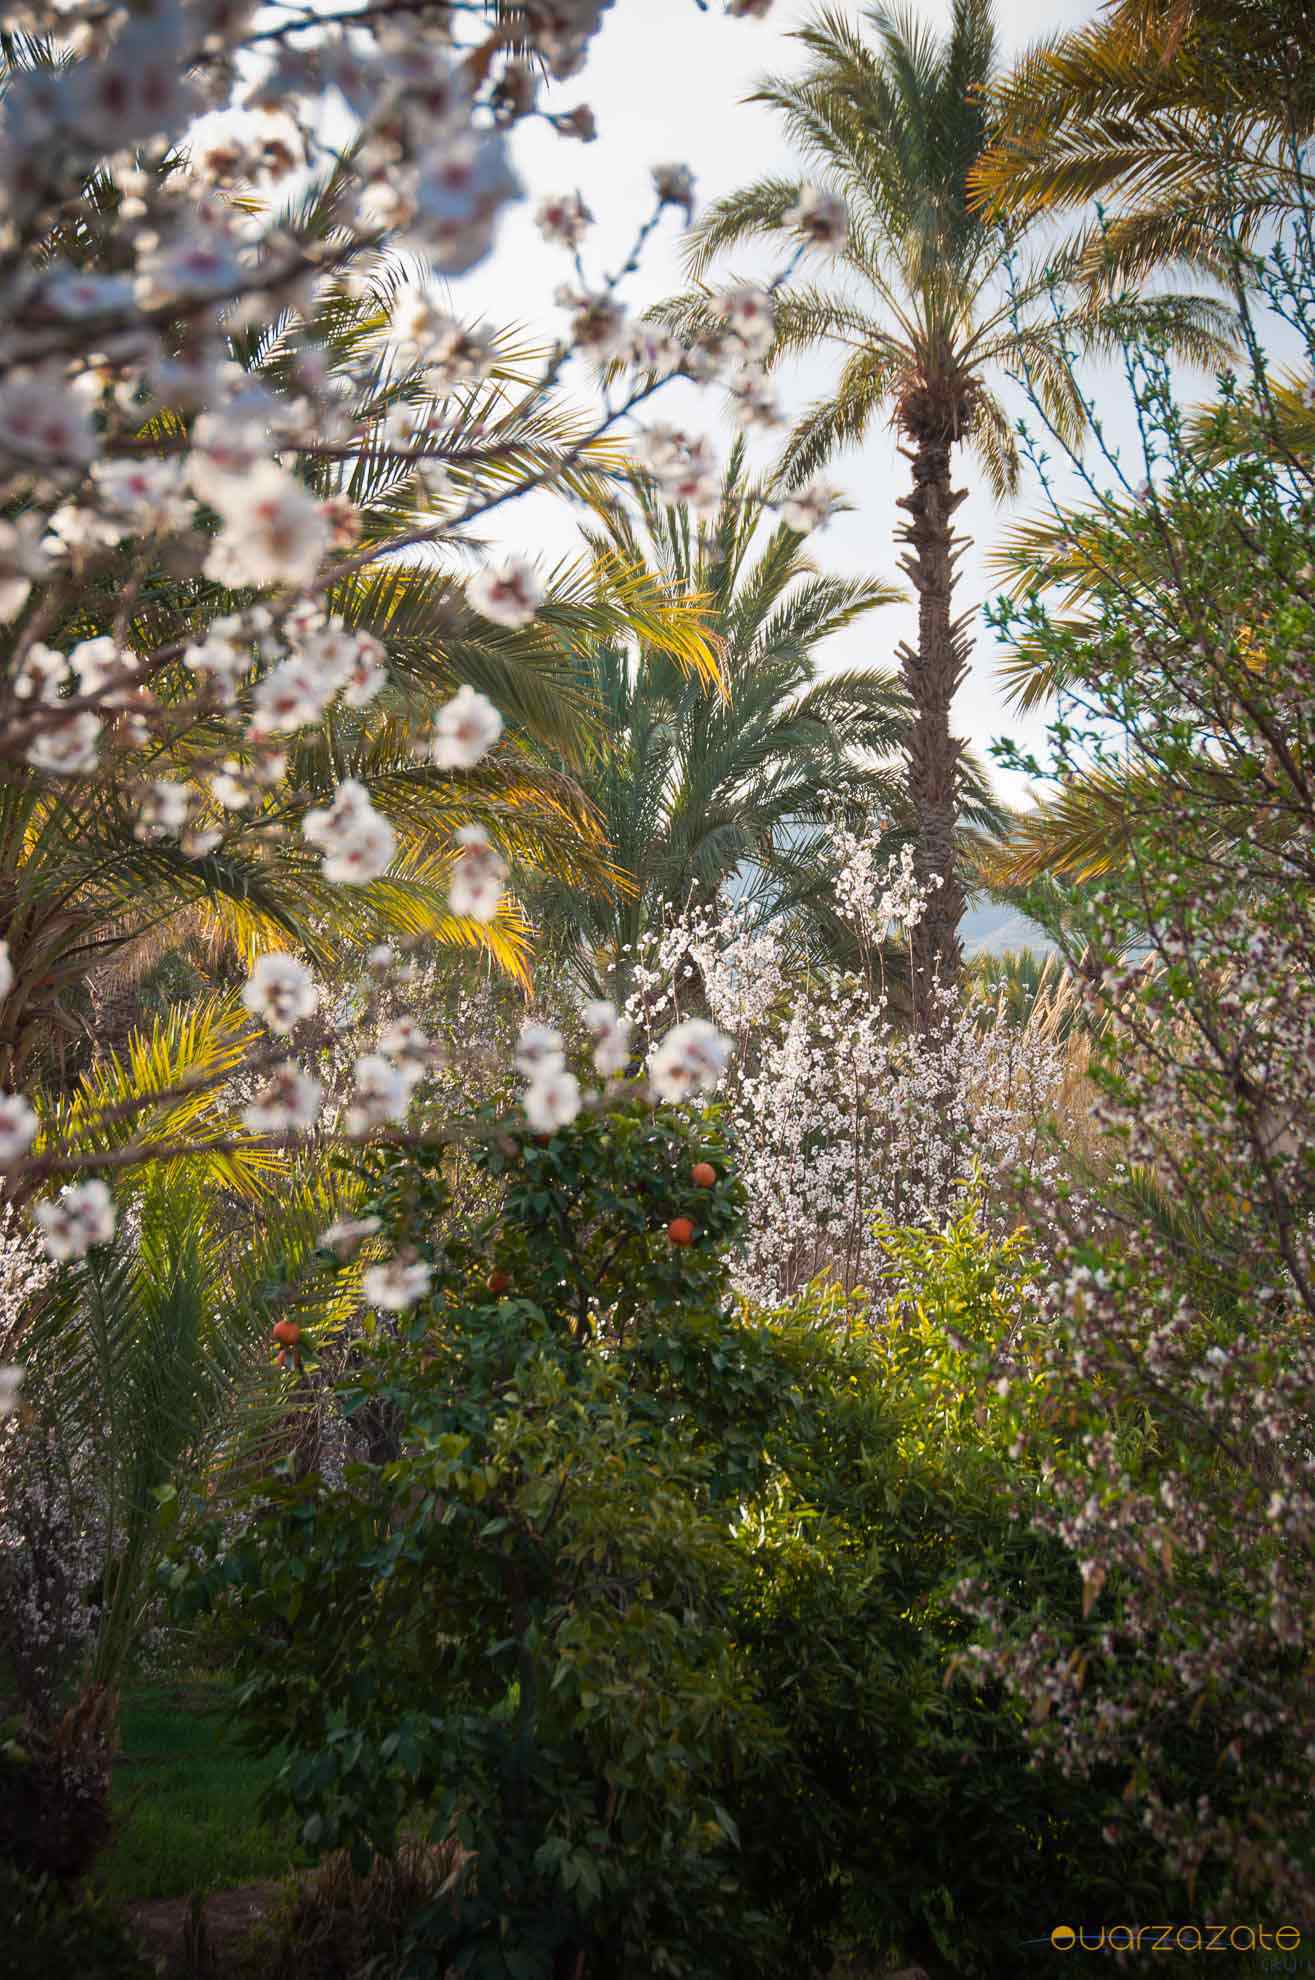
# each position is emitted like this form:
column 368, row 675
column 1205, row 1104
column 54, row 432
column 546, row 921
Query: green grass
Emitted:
column 185, row 1796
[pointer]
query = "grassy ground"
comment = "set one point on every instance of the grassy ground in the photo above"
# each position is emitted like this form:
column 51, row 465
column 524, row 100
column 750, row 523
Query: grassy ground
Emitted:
column 185, row 1798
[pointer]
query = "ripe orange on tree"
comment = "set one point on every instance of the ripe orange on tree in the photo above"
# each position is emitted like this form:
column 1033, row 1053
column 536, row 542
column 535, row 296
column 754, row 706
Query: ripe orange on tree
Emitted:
column 680, row 1230
column 703, row 1174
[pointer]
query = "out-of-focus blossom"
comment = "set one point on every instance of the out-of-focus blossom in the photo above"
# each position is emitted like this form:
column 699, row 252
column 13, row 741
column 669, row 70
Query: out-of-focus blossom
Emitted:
column 81, row 1216
column 280, row 990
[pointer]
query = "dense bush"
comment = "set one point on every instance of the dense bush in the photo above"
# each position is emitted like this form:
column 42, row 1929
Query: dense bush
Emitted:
column 49, row 1933
column 650, row 1612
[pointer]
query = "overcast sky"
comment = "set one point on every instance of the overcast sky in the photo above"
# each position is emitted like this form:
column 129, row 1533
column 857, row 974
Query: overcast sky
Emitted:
column 668, row 82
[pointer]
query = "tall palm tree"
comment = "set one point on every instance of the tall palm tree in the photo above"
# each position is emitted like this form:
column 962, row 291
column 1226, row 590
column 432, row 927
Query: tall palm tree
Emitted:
column 933, row 300
column 1188, row 114
column 699, row 786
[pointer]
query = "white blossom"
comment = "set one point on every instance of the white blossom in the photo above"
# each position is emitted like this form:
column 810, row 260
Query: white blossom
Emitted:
column 509, row 595
column 274, row 532
column 290, row 1100
column 552, row 1098
column 750, row 315
column 689, row 1060
column 395, row 1286
column 163, row 810
column 69, row 748
column 479, row 875
column 6, row 971
column 382, row 1092
column 465, row 729
column 18, row 1126
column 810, row 507
column 24, row 560
column 358, row 843
column 281, row 990
column 42, row 422
column 348, row 1235
column 11, row 1380
column 820, row 216
column 563, row 219
column 82, row 1215
column 538, row 1049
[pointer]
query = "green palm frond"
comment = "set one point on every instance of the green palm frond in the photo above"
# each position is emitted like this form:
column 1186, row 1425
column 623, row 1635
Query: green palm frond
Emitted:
column 130, row 1097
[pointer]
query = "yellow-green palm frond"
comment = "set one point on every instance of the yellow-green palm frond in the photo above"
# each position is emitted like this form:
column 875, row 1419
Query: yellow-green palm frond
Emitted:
column 1084, row 831
column 129, row 1097
column 1166, row 113
column 1283, row 429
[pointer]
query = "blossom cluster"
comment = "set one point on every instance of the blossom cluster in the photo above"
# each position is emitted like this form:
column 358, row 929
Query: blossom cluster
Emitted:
column 842, row 1113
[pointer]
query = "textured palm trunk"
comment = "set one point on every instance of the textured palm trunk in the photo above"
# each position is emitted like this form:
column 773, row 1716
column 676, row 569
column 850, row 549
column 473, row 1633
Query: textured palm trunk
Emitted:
column 932, row 672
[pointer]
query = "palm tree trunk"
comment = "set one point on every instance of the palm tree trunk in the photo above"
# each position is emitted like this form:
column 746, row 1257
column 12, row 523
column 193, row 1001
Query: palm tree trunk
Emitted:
column 932, row 673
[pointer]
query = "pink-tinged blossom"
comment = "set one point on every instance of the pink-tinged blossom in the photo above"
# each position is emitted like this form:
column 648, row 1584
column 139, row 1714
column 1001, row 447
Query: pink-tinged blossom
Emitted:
column 163, row 810
column 750, row 315
column 42, row 672
column 552, row 1098
column 346, row 1237
column 11, row 1381
column 689, row 1060
column 280, row 990
column 479, row 875
column 563, row 219
column 80, row 1217
column 465, row 730
column 674, row 186
column 599, row 328
column 358, row 843
column 69, row 748
column 43, row 423
column 398, row 1284
column 289, row 697
column 538, row 1048
column 289, row 1102
column 820, row 216
column 612, row 1051
column 24, row 560
column 462, row 187
column 273, row 533
column 404, row 1039
column 509, row 595
column 381, row 1092
column 810, row 507
column 18, row 1126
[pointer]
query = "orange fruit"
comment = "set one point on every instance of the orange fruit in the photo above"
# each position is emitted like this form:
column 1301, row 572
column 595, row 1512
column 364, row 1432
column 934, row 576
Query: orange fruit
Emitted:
column 498, row 1283
column 680, row 1230
column 703, row 1174
column 287, row 1333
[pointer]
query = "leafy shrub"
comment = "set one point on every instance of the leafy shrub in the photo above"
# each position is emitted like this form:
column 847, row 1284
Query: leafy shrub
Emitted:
column 650, row 1614
column 50, row 1931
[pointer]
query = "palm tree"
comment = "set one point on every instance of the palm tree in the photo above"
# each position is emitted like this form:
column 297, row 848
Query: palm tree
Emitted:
column 934, row 301
column 1188, row 113
column 699, row 787
column 85, row 903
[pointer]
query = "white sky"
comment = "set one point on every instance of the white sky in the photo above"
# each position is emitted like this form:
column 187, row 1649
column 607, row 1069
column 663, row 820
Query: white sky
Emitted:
column 668, row 82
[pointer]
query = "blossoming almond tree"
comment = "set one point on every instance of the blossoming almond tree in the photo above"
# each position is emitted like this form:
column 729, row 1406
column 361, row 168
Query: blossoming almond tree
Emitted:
column 220, row 424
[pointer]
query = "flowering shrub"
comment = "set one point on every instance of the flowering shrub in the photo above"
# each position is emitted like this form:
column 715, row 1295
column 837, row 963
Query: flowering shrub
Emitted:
column 842, row 1115
column 1177, row 1333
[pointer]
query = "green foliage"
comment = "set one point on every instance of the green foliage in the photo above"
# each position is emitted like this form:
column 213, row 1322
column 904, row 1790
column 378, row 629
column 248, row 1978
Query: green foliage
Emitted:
column 48, row 1931
column 652, row 1612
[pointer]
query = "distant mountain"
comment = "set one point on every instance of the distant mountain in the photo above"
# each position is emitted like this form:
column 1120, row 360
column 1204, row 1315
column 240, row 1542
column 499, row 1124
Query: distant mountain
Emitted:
column 990, row 928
